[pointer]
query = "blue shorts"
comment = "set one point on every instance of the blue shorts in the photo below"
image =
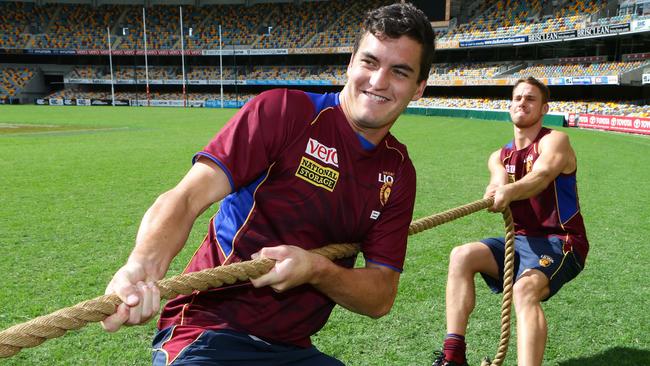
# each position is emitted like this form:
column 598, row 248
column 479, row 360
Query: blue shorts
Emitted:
column 225, row 347
column 546, row 255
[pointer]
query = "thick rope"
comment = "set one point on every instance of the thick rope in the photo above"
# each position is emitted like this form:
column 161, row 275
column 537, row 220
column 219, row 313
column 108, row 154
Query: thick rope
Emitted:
column 429, row 222
column 508, row 277
column 38, row 330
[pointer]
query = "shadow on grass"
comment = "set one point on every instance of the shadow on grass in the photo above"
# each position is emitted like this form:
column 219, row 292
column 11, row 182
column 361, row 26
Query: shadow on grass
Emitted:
column 619, row 356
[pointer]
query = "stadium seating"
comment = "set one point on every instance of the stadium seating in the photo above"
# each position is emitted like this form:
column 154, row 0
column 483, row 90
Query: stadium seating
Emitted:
column 293, row 25
column 342, row 32
column 13, row 79
column 82, row 93
column 77, row 26
column 465, row 70
column 593, row 69
column 267, row 25
column 332, row 73
column 620, row 108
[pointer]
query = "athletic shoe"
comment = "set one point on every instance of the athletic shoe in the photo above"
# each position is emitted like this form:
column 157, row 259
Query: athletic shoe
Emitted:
column 441, row 361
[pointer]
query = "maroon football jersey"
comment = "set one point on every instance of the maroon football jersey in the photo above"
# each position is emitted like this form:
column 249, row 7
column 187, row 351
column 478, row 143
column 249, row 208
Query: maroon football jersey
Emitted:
column 299, row 176
column 554, row 212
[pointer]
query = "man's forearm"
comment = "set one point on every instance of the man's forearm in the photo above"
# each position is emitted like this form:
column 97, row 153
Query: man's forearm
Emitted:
column 369, row 291
column 162, row 234
column 529, row 186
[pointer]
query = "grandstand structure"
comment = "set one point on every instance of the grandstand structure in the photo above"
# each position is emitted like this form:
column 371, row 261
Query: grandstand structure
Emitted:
column 594, row 55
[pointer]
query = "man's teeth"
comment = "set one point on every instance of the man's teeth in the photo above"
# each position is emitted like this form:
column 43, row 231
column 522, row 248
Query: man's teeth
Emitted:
column 376, row 97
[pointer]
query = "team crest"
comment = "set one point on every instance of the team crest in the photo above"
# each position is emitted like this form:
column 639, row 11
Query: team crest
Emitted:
column 384, row 192
column 387, row 179
column 529, row 163
column 545, row 260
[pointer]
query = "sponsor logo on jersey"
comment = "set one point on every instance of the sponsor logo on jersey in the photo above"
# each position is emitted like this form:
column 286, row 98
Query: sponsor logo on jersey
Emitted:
column 316, row 174
column 327, row 155
column 374, row 215
column 545, row 260
column 384, row 192
column 510, row 169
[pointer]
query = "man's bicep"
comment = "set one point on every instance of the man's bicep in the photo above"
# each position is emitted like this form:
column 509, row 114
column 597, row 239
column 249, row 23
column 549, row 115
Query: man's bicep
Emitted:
column 204, row 184
column 498, row 175
column 554, row 154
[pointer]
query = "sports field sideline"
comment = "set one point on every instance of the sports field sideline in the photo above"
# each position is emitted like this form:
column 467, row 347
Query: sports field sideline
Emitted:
column 75, row 183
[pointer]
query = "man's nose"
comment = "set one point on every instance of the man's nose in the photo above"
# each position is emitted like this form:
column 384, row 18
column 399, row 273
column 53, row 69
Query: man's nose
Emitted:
column 380, row 79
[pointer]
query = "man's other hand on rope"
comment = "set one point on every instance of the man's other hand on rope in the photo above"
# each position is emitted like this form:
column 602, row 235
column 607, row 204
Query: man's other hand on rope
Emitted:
column 350, row 288
column 140, row 299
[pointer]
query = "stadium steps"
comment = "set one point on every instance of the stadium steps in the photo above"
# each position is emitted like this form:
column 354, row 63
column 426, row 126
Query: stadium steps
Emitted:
column 267, row 20
column 345, row 14
column 116, row 25
column 634, row 76
column 30, row 41
column 509, row 71
column 53, row 19
column 199, row 27
column 117, row 42
column 311, row 40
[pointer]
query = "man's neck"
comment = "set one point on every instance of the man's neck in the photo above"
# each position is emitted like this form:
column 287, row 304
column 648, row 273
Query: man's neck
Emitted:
column 525, row 136
column 372, row 135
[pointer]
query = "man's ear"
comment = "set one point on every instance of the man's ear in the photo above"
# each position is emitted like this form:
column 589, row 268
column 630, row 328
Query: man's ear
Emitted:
column 420, row 90
column 545, row 108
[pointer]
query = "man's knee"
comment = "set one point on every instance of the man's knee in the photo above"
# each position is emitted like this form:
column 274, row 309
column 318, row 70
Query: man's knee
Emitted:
column 530, row 289
column 460, row 256
column 473, row 257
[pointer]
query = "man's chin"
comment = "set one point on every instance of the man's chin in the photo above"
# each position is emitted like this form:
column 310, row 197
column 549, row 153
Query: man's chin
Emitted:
column 523, row 124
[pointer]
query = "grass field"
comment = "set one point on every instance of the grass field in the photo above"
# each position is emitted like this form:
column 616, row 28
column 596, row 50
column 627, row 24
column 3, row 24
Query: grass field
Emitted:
column 76, row 181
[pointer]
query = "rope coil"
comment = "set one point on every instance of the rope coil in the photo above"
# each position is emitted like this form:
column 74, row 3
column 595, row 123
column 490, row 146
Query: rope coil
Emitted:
column 56, row 324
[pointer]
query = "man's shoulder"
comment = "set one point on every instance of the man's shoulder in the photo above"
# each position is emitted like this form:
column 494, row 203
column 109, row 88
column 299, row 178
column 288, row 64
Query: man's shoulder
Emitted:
column 283, row 102
column 392, row 143
column 553, row 136
column 279, row 94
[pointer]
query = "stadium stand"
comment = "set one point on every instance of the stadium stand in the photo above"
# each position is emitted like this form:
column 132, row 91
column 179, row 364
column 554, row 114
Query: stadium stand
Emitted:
column 12, row 80
column 577, row 69
column 606, row 108
column 466, row 70
column 264, row 25
column 82, row 93
column 77, row 26
column 314, row 39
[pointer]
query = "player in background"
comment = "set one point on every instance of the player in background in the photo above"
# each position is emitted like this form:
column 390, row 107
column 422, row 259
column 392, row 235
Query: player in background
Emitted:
column 535, row 175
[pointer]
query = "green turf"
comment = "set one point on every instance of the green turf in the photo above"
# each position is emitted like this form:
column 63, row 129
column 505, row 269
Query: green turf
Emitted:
column 71, row 200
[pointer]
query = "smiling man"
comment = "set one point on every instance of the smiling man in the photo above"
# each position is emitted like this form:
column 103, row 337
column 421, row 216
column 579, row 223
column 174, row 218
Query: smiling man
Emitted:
column 294, row 171
column 535, row 175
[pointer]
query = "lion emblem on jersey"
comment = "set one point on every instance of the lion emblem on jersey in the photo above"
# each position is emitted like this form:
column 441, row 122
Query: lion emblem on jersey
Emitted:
column 545, row 260
column 529, row 163
column 384, row 192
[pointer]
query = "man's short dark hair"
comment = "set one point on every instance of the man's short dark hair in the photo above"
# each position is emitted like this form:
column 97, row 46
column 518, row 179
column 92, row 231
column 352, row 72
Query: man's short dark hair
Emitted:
column 401, row 19
column 546, row 93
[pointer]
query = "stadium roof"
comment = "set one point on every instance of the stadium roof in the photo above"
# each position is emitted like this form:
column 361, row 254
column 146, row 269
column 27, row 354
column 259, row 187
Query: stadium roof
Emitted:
column 161, row 2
